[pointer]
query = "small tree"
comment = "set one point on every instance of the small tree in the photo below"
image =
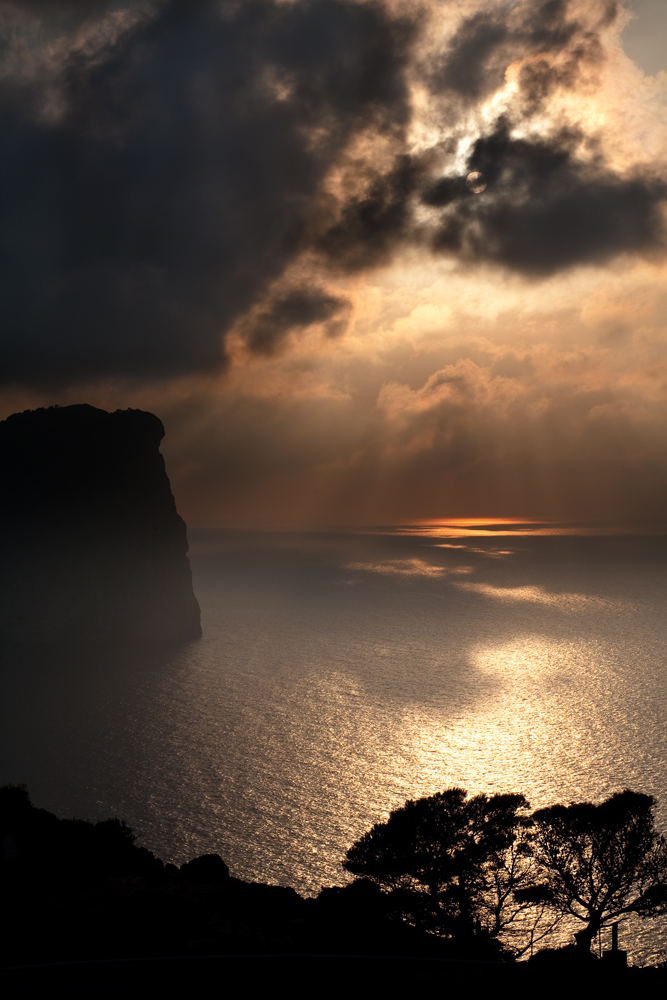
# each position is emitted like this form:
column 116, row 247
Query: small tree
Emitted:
column 600, row 862
column 442, row 859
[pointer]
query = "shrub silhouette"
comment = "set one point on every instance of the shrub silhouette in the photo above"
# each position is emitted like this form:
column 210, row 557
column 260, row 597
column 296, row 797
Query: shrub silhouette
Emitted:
column 37, row 844
column 208, row 869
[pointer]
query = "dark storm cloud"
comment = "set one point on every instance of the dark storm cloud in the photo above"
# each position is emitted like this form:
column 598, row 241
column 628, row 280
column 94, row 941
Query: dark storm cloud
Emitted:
column 545, row 209
column 162, row 166
column 371, row 225
column 61, row 13
column 486, row 43
column 549, row 204
column 175, row 181
column 297, row 308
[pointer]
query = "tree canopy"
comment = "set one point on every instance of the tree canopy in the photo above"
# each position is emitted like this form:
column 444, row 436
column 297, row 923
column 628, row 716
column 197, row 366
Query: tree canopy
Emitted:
column 459, row 866
column 601, row 862
column 437, row 855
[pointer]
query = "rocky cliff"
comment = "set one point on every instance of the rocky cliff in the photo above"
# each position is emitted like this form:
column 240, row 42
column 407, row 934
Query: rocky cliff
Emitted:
column 92, row 547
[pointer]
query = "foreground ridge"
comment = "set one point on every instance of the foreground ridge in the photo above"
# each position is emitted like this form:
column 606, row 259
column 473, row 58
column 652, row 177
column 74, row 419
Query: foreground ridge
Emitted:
column 78, row 892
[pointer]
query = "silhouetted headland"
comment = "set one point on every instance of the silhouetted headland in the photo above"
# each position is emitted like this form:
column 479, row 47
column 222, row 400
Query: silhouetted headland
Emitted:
column 93, row 548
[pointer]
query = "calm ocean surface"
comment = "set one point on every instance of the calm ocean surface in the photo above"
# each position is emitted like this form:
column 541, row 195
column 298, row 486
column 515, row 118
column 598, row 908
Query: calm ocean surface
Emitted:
column 340, row 674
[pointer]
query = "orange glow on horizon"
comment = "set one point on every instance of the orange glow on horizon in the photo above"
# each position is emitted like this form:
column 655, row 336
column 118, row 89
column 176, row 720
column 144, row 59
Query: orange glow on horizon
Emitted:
column 467, row 527
column 471, row 522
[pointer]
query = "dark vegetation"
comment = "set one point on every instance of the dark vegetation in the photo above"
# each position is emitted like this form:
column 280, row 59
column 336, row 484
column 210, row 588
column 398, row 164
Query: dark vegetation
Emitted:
column 93, row 547
column 485, row 870
column 446, row 879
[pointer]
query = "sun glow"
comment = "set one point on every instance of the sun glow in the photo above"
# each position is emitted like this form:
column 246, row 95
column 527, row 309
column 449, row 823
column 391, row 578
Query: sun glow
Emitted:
column 464, row 527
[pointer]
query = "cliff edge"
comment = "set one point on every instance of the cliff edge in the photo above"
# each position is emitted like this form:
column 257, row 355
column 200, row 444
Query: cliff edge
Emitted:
column 92, row 545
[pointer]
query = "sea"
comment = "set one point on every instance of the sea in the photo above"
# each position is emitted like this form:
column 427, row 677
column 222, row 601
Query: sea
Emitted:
column 342, row 672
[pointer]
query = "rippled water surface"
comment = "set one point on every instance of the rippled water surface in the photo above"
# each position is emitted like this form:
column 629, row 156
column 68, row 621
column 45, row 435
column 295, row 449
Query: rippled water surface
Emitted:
column 339, row 675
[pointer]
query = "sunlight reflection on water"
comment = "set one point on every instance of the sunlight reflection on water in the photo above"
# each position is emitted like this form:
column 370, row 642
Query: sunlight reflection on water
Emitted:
column 311, row 707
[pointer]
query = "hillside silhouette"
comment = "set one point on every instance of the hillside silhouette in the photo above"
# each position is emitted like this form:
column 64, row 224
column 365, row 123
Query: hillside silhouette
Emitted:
column 75, row 891
column 93, row 546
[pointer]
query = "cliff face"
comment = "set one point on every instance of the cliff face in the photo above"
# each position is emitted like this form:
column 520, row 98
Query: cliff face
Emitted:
column 92, row 547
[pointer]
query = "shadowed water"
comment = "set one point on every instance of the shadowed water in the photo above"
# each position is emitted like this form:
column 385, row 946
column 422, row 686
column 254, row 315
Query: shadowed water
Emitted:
column 339, row 675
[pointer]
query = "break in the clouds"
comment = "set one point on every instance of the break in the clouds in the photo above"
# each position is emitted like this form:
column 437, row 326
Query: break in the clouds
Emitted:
column 171, row 172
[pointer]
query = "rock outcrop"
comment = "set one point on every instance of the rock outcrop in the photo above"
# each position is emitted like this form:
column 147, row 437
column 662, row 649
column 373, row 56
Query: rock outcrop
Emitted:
column 93, row 548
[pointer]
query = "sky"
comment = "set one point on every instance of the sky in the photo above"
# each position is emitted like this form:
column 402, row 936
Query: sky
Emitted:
column 256, row 218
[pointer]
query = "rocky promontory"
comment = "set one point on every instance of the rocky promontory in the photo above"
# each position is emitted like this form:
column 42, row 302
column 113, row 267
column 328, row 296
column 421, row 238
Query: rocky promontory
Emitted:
column 93, row 548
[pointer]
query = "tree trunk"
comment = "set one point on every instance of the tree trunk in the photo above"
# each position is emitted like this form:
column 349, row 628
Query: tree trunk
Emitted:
column 585, row 936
